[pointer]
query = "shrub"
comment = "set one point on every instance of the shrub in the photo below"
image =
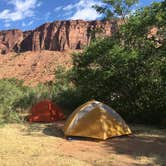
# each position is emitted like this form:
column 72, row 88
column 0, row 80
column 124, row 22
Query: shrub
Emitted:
column 64, row 91
column 14, row 96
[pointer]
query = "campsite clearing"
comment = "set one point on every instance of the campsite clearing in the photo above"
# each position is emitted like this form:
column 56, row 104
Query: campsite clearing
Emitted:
column 43, row 144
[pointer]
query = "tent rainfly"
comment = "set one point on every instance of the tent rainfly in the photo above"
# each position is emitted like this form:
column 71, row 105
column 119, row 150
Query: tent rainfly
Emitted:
column 45, row 111
column 96, row 120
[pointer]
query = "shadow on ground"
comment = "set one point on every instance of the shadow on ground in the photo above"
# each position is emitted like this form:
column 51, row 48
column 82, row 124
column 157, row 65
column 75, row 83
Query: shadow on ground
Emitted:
column 146, row 145
column 52, row 130
column 45, row 129
column 143, row 145
column 56, row 130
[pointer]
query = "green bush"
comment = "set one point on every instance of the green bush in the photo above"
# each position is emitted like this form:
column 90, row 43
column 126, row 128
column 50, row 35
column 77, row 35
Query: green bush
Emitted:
column 64, row 91
column 14, row 96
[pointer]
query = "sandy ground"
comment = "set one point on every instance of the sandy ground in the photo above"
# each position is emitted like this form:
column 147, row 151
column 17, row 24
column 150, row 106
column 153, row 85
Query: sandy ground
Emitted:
column 44, row 144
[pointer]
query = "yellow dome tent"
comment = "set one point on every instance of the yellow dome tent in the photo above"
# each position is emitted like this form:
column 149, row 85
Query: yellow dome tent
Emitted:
column 96, row 120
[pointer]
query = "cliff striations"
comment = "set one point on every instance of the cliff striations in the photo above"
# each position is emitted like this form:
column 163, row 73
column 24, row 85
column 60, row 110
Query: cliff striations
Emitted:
column 58, row 36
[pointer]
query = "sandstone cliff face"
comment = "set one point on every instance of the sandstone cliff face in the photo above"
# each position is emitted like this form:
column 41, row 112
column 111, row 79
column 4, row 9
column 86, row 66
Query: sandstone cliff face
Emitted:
column 59, row 36
column 10, row 40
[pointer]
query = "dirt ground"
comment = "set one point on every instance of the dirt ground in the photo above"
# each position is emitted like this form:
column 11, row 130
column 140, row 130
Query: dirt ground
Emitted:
column 44, row 144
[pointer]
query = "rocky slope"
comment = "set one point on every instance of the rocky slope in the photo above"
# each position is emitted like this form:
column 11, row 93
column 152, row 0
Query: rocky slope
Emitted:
column 58, row 36
column 34, row 67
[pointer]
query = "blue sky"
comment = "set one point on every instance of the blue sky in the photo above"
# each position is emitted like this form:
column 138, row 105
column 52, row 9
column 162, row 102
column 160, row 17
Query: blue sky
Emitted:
column 28, row 14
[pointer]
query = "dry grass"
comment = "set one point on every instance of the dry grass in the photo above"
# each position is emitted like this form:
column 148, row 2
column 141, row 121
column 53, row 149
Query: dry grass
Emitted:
column 19, row 147
column 43, row 144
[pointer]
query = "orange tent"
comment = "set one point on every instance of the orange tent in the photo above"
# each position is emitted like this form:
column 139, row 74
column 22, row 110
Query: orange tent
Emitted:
column 45, row 111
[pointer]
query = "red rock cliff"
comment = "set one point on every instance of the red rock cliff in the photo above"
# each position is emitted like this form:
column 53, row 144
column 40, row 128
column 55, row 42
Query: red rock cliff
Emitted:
column 59, row 35
column 10, row 40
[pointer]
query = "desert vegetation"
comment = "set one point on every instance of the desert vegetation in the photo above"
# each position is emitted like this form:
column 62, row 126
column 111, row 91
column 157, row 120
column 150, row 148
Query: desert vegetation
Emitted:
column 126, row 71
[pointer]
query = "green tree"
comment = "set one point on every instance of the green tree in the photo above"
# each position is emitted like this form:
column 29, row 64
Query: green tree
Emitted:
column 130, row 76
column 138, row 26
column 115, row 8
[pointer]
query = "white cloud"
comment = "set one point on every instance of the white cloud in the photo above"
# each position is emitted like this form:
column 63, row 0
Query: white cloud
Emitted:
column 23, row 24
column 31, row 22
column 85, row 14
column 57, row 9
column 83, row 10
column 21, row 9
column 69, row 7
column 27, row 24
column 7, row 25
column 39, row 4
